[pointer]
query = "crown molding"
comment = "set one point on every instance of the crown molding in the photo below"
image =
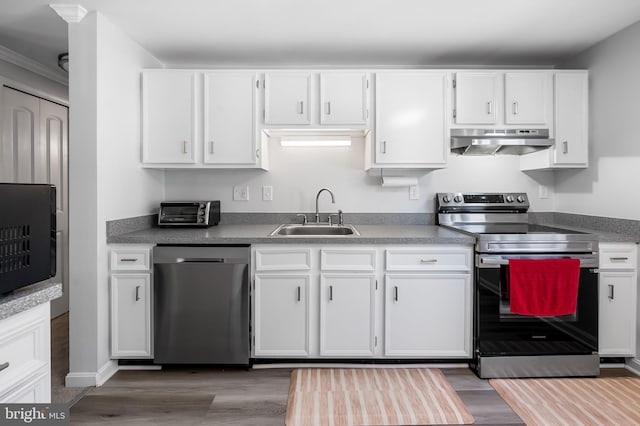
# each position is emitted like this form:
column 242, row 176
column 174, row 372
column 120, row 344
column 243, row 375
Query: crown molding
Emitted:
column 29, row 64
column 71, row 13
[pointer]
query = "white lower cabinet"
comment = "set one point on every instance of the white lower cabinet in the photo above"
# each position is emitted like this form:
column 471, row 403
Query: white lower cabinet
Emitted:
column 617, row 304
column 281, row 315
column 131, row 304
column 328, row 301
column 347, row 314
column 131, row 315
column 428, row 315
column 25, row 357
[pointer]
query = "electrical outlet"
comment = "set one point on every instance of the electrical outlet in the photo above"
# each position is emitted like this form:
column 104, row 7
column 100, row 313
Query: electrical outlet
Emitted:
column 414, row 192
column 267, row 193
column 543, row 191
column 241, row 193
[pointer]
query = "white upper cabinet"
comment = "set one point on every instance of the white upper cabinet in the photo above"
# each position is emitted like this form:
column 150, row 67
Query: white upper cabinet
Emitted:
column 570, row 125
column 168, row 116
column 343, row 98
column 526, row 97
column 571, row 99
column 476, row 97
column 287, row 98
column 229, row 118
column 503, row 99
column 411, row 127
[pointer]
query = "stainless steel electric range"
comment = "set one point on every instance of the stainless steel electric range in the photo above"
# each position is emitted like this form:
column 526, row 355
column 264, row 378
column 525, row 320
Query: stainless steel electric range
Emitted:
column 513, row 345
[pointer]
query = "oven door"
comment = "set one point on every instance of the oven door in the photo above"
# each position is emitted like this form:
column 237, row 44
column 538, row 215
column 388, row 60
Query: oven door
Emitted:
column 498, row 332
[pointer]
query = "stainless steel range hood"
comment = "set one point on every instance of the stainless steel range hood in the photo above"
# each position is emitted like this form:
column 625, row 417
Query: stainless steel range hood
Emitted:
column 499, row 141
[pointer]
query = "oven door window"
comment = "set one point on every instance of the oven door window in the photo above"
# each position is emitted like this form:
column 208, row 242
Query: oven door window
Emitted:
column 505, row 303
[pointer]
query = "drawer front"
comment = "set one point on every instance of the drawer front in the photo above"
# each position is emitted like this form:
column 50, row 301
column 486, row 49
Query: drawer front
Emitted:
column 294, row 259
column 131, row 259
column 437, row 259
column 618, row 256
column 348, row 259
column 24, row 344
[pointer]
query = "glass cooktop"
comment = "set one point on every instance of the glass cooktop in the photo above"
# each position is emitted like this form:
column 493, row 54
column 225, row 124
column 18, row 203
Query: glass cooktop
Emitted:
column 512, row 228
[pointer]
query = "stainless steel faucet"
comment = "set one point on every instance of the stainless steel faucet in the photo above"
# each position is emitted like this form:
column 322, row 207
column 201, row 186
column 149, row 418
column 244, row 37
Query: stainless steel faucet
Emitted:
column 333, row 200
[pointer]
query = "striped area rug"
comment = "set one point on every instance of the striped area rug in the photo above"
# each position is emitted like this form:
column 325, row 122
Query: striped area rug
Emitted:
column 373, row 396
column 588, row 401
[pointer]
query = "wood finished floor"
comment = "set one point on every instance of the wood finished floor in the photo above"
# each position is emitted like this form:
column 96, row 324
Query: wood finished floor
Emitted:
column 210, row 396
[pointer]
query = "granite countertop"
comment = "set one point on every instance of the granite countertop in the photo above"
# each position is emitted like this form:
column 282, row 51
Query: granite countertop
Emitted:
column 28, row 297
column 603, row 236
column 259, row 234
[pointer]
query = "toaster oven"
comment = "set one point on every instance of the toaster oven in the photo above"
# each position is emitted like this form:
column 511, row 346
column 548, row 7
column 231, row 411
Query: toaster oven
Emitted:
column 189, row 213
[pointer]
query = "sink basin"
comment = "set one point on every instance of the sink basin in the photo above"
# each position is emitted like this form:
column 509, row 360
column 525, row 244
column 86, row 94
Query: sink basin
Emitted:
column 314, row 230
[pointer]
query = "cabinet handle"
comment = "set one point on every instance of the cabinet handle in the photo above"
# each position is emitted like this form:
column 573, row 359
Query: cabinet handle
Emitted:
column 611, row 297
column 618, row 259
column 515, row 108
column 565, row 147
column 184, row 147
column 258, row 153
column 328, row 108
column 330, row 292
column 128, row 259
column 4, row 366
column 428, row 260
column 211, row 147
column 384, row 147
column 137, row 293
column 489, row 107
column 299, row 290
column 395, row 293
column 301, row 107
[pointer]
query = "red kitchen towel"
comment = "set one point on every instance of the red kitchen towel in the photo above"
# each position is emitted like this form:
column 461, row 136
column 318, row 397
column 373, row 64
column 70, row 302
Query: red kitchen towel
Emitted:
column 544, row 287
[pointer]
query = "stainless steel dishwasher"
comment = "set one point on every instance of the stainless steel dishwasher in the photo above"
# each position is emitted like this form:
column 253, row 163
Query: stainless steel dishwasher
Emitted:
column 201, row 304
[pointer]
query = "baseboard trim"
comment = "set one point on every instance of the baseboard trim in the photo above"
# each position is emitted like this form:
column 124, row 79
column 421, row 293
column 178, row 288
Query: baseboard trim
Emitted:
column 633, row 365
column 85, row 379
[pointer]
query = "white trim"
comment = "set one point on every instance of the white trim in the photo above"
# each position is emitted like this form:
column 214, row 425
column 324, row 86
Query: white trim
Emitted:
column 346, row 365
column 70, row 13
column 139, row 367
column 81, row 380
column 633, row 365
column 29, row 64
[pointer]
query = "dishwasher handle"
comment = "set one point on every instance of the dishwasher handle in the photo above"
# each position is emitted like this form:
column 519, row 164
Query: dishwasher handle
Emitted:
column 199, row 260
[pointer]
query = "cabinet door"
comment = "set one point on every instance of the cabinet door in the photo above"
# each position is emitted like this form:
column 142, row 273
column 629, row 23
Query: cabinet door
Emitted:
column 287, row 97
column 410, row 119
column 131, row 316
column 616, row 318
column 525, row 98
column 476, row 96
column 229, row 118
column 571, row 104
column 281, row 320
column 347, row 313
column 343, row 98
column 168, row 116
column 428, row 315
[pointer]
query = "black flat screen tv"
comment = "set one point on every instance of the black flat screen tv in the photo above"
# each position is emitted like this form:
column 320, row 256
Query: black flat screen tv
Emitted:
column 27, row 234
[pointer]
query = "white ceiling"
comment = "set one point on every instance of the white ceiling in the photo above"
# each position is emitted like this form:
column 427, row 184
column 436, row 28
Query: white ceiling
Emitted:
column 266, row 33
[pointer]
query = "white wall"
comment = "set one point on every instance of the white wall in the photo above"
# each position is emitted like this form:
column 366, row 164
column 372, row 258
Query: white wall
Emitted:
column 609, row 187
column 105, row 178
column 20, row 78
column 298, row 173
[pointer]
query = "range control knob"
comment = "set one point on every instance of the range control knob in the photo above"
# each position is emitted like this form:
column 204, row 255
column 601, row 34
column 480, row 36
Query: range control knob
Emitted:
column 446, row 199
column 520, row 198
column 509, row 199
column 457, row 198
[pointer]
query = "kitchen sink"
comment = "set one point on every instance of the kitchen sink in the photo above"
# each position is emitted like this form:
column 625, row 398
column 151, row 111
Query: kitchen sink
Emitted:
column 314, row 230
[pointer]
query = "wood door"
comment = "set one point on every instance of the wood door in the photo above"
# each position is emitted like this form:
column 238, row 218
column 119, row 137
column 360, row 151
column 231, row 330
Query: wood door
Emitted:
column 343, row 98
column 287, row 98
column 525, row 96
column 34, row 149
column 476, row 97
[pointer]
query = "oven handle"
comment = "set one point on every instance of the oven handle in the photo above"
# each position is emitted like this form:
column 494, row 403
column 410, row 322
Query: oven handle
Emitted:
column 585, row 262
